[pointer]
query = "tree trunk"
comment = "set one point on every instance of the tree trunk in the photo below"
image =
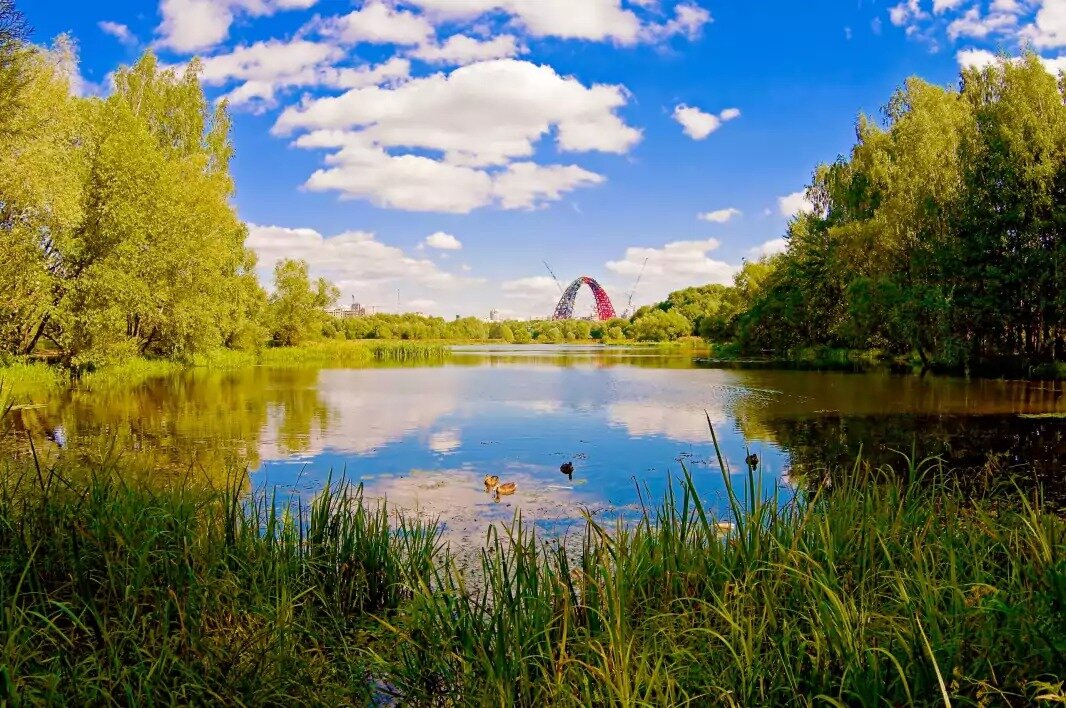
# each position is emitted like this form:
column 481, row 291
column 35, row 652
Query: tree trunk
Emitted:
column 37, row 337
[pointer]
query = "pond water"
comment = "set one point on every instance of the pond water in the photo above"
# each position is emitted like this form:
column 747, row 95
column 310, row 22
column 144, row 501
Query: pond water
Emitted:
column 628, row 419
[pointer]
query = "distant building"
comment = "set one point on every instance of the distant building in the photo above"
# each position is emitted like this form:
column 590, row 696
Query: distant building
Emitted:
column 353, row 310
column 494, row 315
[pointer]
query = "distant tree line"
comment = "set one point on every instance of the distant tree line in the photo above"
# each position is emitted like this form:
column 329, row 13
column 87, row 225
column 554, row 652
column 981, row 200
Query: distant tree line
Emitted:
column 472, row 329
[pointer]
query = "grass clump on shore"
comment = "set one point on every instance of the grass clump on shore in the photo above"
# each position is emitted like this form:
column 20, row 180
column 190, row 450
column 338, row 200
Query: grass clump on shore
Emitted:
column 877, row 591
column 19, row 376
column 113, row 593
column 353, row 353
column 23, row 377
column 873, row 589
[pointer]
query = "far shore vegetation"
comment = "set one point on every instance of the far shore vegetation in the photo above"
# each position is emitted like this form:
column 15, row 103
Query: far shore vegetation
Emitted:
column 936, row 243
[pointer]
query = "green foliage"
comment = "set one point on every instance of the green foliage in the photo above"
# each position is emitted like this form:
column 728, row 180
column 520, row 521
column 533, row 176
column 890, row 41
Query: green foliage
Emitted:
column 185, row 595
column 941, row 233
column 119, row 237
column 659, row 326
column 298, row 305
column 14, row 34
column 883, row 589
column 550, row 335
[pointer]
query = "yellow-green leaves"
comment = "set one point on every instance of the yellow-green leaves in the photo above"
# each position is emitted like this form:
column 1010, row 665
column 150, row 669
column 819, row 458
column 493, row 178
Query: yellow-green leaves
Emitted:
column 120, row 236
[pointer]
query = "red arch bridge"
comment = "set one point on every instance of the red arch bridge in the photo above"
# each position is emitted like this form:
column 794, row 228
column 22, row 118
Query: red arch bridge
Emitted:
column 565, row 309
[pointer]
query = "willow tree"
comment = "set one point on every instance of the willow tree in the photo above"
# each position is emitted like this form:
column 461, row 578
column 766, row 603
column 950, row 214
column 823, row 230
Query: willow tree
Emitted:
column 121, row 222
column 298, row 304
column 45, row 158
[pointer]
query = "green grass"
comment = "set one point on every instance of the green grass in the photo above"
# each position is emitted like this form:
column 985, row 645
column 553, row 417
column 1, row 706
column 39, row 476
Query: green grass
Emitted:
column 876, row 591
column 341, row 352
column 20, row 377
column 120, row 594
column 871, row 588
column 129, row 373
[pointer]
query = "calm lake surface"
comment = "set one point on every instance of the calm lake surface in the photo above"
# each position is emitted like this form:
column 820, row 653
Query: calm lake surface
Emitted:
column 426, row 436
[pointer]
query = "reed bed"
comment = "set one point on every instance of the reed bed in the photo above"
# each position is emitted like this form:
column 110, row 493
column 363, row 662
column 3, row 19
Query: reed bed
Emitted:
column 873, row 587
column 354, row 353
column 119, row 594
column 884, row 589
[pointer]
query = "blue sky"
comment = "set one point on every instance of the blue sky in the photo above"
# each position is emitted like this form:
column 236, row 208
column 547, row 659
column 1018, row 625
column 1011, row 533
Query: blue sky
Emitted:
column 445, row 148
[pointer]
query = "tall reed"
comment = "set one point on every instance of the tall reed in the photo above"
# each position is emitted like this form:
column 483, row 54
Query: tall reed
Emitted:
column 117, row 594
column 879, row 589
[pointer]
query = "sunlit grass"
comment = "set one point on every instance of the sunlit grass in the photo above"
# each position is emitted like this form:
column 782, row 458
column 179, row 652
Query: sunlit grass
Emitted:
column 119, row 592
column 22, row 377
column 868, row 587
column 882, row 589
column 341, row 352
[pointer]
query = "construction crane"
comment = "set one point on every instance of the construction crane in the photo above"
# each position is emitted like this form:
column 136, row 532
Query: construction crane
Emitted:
column 633, row 292
column 561, row 289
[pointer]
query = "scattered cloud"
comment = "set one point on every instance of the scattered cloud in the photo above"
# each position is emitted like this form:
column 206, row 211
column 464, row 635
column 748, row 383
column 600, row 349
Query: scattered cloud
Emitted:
column 190, row 26
column 794, row 204
column 675, row 265
column 697, row 124
column 688, row 21
column 482, row 114
column 485, row 115
column 363, row 267
column 1014, row 24
column 527, row 185
column 975, row 58
column 535, row 296
column 263, row 69
column 981, row 58
column 974, row 25
column 461, row 49
column 443, row 242
column 906, row 12
column 769, row 248
column 376, row 23
column 593, row 20
column 1049, row 27
column 119, row 31
column 720, row 216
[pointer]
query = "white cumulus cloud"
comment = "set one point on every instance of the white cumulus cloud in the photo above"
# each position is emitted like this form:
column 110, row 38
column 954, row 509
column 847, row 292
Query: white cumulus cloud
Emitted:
column 769, row 248
column 794, row 204
column 194, row 25
column 461, row 49
column 443, row 241
column 377, row 22
column 117, row 30
column 720, row 216
column 675, row 265
column 698, row 124
column 264, row 68
column 477, row 118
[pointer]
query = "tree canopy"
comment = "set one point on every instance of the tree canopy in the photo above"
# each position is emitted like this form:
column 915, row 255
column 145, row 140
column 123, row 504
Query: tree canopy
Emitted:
column 941, row 233
column 119, row 235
